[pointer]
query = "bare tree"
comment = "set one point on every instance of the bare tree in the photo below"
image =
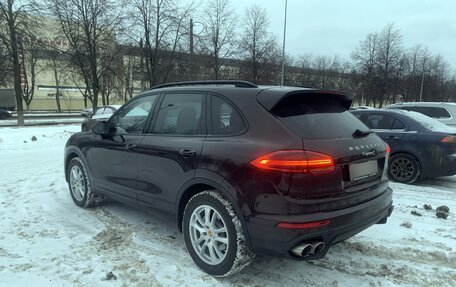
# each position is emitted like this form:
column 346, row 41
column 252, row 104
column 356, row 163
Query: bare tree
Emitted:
column 90, row 29
column 127, row 71
column 163, row 24
column 14, row 15
column 305, row 69
column 28, row 57
column 388, row 61
column 364, row 58
column 220, row 26
column 5, row 67
column 55, row 70
column 256, row 44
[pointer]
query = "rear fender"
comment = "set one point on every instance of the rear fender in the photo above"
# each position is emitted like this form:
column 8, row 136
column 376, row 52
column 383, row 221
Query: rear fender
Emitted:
column 226, row 189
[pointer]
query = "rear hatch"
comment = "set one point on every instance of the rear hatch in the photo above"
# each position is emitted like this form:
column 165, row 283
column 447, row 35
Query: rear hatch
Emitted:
column 326, row 127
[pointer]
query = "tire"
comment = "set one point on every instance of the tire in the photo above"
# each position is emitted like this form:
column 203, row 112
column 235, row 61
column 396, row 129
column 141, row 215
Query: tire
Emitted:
column 79, row 184
column 230, row 253
column 404, row 168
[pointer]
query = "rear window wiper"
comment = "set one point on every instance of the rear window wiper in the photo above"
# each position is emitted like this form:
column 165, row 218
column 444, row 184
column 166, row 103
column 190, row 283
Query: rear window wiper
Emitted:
column 359, row 133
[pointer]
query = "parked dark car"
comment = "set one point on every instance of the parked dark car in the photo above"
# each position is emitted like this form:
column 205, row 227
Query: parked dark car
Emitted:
column 241, row 169
column 102, row 113
column 421, row 146
column 5, row 114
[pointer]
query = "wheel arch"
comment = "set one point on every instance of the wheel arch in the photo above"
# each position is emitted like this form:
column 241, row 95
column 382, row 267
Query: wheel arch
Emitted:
column 70, row 153
column 420, row 166
column 198, row 185
column 409, row 153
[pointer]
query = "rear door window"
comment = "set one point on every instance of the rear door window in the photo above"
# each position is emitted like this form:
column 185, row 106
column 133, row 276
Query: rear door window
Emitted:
column 379, row 121
column 314, row 117
column 398, row 125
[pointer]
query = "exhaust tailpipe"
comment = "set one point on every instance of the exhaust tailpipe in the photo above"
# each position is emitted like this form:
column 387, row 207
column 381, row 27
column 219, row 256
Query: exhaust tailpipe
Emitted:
column 302, row 250
column 317, row 247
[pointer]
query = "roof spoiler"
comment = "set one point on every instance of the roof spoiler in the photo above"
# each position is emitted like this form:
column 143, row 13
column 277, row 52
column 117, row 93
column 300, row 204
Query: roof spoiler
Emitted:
column 271, row 97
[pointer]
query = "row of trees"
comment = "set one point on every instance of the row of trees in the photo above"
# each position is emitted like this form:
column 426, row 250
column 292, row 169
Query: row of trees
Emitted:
column 389, row 72
column 111, row 44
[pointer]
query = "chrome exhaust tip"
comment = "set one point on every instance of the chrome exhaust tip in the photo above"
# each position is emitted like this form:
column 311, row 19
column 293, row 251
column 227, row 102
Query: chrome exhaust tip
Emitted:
column 317, row 248
column 302, row 250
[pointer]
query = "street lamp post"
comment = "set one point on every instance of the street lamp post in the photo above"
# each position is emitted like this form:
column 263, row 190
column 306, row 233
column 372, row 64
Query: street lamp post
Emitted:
column 283, row 46
column 422, row 81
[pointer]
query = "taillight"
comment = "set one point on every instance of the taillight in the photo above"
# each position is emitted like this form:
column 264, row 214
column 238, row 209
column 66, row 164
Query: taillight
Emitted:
column 295, row 161
column 449, row 139
column 387, row 149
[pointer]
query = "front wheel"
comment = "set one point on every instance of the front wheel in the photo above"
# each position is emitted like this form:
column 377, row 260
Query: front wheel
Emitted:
column 79, row 183
column 214, row 235
column 404, row 168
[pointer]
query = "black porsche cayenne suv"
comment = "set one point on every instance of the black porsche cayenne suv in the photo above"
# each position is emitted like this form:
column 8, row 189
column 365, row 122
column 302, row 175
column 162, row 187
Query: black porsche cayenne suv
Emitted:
column 242, row 169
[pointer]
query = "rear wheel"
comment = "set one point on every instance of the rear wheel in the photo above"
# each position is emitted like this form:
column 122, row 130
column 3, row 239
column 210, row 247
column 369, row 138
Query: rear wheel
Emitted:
column 404, row 168
column 214, row 235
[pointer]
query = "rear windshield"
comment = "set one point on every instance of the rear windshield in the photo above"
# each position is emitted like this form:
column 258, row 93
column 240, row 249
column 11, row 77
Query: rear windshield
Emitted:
column 314, row 117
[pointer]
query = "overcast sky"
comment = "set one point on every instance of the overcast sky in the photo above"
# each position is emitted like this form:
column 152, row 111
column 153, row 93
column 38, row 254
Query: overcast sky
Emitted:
column 335, row 27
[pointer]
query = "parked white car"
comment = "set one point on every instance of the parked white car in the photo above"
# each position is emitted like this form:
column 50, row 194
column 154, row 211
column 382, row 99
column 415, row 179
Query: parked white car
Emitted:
column 441, row 111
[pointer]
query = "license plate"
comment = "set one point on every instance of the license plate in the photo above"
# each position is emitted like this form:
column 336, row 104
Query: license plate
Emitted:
column 359, row 171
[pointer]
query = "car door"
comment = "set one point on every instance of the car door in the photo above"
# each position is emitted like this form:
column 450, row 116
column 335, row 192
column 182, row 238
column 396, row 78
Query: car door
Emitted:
column 114, row 159
column 170, row 152
column 388, row 127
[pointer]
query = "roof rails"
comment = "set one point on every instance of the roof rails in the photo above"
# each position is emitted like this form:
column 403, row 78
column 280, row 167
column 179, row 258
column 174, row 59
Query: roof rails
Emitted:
column 237, row 84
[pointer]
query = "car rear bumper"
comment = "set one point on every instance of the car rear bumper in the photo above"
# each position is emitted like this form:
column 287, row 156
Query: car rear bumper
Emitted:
column 267, row 238
column 445, row 167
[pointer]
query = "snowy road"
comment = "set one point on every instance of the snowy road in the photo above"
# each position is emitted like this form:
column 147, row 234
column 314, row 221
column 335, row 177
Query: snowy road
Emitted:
column 46, row 240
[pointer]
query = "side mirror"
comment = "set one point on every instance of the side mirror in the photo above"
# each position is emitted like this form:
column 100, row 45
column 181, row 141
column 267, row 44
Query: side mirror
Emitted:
column 100, row 128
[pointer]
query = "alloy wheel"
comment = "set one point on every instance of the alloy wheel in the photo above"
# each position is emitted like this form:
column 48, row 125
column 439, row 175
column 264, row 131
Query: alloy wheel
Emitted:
column 402, row 169
column 77, row 183
column 208, row 234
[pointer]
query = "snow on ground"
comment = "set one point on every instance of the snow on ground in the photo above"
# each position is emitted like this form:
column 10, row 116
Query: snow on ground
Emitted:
column 43, row 121
column 46, row 240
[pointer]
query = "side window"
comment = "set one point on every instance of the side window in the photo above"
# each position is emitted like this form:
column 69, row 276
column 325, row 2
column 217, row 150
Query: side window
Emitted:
column 180, row 114
column 225, row 119
column 108, row 111
column 99, row 111
column 132, row 118
column 398, row 125
column 379, row 121
column 433, row 112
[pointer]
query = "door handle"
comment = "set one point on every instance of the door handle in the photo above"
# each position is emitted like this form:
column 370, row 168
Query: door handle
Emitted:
column 130, row 147
column 187, row 152
column 392, row 138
